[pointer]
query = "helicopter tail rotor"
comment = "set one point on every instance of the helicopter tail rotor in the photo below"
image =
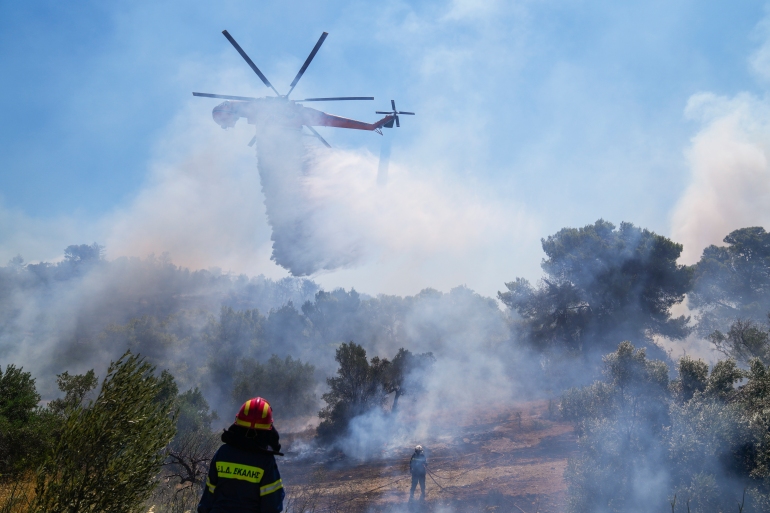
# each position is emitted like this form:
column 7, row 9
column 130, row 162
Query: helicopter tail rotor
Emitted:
column 395, row 113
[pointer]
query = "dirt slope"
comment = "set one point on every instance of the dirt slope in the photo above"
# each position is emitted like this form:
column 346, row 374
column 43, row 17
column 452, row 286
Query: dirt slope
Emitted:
column 510, row 459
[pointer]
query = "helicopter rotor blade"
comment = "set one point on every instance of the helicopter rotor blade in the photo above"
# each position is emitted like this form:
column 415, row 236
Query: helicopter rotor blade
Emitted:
column 339, row 98
column 402, row 112
column 398, row 125
column 319, row 136
column 381, row 112
column 249, row 61
column 393, row 104
column 253, row 140
column 307, row 62
column 226, row 97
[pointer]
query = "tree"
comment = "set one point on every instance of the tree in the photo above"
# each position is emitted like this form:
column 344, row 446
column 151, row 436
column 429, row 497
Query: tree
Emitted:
column 357, row 388
column 642, row 442
column 733, row 282
column 334, row 315
column 18, row 395
column 236, row 335
column 602, row 285
column 189, row 453
column 620, row 422
column 744, row 340
column 109, row 451
column 193, row 413
column 693, row 378
column 286, row 383
column 75, row 388
column 406, row 374
column 287, row 328
column 83, row 253
column 25, row 428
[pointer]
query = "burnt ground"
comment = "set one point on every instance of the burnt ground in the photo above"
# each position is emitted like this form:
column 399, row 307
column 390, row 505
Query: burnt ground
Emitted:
column 509, row 459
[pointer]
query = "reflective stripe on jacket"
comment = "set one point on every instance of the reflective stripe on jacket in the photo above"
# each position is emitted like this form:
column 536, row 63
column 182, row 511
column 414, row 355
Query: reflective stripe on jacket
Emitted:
column 242, row 482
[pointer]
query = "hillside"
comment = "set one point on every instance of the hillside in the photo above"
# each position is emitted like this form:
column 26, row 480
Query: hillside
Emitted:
column 511, row 459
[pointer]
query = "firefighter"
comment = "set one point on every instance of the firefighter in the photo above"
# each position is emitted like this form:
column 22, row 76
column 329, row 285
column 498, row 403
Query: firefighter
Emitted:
column 243, row 476
column 418, row 466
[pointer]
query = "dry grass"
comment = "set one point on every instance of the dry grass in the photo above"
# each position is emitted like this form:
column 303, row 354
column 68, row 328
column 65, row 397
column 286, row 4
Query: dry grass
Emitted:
column 505, row 459
column 17, row 496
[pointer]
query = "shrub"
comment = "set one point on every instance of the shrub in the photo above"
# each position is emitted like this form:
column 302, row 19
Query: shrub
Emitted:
column 110, row 451
column 25, row 428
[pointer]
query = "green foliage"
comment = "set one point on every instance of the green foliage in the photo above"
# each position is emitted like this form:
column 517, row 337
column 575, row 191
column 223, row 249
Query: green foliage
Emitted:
column 287, row 384
column 642, row 440
column 189, row 455
column 236, row 335
column 83, row 253
column 721, row 381
column 602, row 285
column 745, row 340
column 25, row 429
column 733, row 281
column 592, row 402
column 147, row 335
column 357, row 388
column 619, row 422
column 75, row 388
column 110, row 451
column 193, row 413
column 18, row 395
column 693, row 377
column 406, row 374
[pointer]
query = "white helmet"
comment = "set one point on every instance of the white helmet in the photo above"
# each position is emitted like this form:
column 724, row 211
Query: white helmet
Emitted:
column 418, row 448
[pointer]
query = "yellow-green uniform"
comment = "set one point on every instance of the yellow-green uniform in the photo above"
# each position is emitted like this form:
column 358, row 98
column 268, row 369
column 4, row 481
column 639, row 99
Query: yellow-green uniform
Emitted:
column 242, row 481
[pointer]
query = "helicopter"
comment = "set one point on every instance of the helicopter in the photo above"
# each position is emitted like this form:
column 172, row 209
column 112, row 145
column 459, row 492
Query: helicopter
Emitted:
column 282, row 111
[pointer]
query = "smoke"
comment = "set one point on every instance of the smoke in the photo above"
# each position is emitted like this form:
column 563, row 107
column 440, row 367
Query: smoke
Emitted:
column 477, row 367
column 327, row 211
column 730, row 172
column 60, row 317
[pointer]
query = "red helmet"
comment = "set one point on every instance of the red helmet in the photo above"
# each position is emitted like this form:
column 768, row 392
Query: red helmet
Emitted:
column 255, row 413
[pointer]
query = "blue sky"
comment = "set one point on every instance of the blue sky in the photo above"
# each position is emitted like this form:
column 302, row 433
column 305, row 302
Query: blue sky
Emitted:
column 531, row 116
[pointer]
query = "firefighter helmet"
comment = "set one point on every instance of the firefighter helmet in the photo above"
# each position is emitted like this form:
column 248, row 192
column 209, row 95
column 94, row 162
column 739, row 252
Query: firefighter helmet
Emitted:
column 418, row 448
column 255, row 413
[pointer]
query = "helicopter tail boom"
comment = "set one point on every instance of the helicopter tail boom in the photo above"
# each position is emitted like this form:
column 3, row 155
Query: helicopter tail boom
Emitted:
column 318, row 118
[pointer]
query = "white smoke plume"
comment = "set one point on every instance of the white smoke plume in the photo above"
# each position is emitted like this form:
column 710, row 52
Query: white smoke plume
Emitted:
column 327, row 211
column 730, row 166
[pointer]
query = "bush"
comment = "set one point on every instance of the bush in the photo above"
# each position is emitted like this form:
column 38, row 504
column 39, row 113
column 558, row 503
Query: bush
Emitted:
column 25, row 429
column 110, row 451
column 700, row 438
column 189, row 453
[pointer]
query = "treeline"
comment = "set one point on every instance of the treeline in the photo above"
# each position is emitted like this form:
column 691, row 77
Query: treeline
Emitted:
column 604, row 284
column 63, row 309
column 218, row 332
column 226, row 338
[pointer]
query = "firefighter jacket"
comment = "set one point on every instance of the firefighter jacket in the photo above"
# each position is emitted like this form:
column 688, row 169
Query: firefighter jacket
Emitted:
column 418, row 464
column 243, row 477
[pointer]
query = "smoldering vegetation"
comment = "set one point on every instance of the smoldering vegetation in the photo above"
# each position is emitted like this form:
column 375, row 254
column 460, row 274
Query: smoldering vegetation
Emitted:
column 353, row 369
column 232, row 335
